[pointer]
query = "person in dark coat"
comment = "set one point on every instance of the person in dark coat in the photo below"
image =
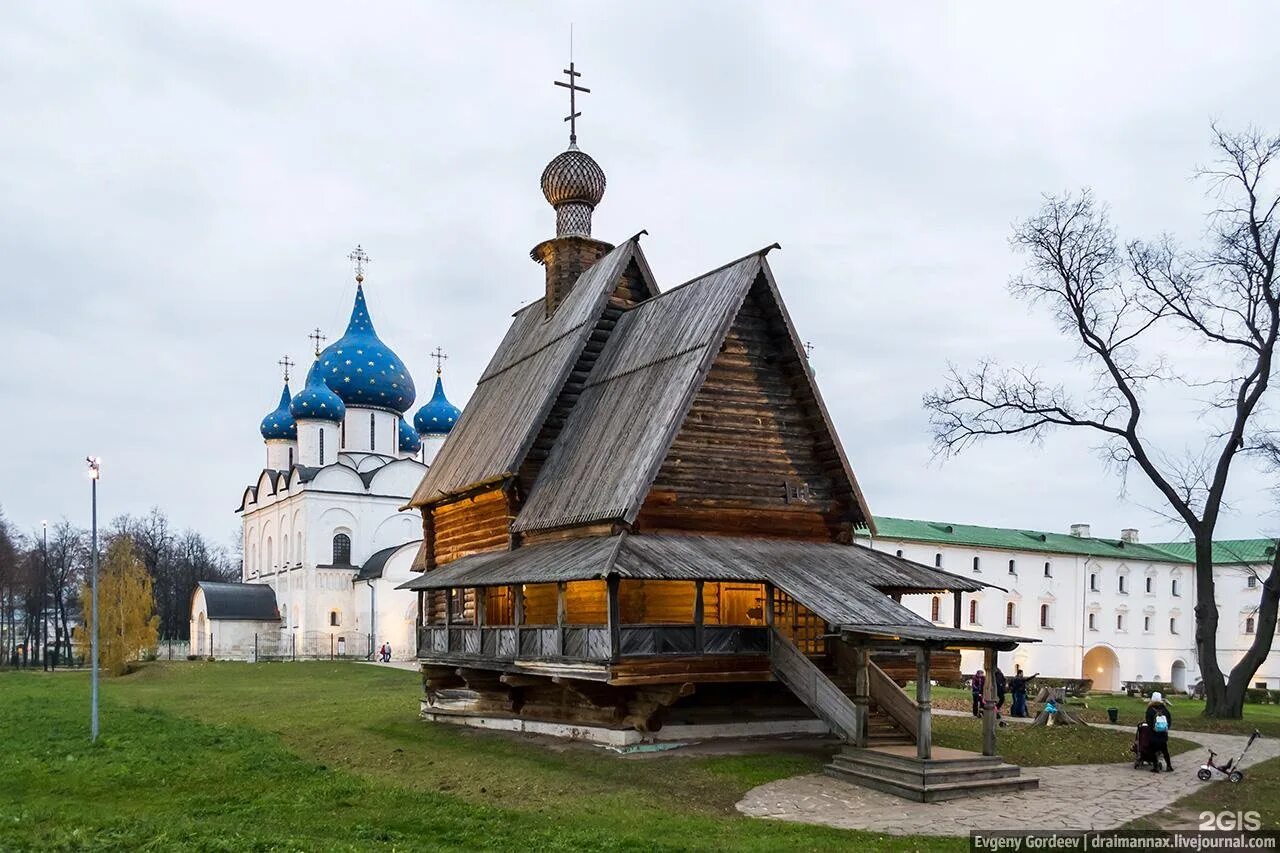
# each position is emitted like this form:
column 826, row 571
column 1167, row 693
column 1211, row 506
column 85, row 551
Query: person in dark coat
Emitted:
column 1001, row 689
column 1160, row 721
column 978, row 684
column 1018, row 687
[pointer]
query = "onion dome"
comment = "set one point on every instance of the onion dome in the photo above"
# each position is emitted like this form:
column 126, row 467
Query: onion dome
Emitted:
column 316, row 401
column 573, row 183
column 362, row 370
column 438, row 416
column 279, row 423
column 409, row 440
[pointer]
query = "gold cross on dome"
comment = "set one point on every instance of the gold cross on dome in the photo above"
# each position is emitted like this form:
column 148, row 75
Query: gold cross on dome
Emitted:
column 317, row 339
column 440, row 358
column 359, row 259
column 286, row 364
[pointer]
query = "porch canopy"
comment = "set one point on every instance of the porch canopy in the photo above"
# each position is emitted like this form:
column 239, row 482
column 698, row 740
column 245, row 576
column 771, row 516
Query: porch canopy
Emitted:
column 848, row 586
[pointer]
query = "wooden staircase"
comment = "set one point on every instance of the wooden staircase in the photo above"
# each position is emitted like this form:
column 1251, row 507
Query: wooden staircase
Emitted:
column 889, row 762
column 950, row 774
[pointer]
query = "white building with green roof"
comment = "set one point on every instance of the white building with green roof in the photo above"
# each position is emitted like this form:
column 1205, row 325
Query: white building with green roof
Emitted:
column 1110, row 609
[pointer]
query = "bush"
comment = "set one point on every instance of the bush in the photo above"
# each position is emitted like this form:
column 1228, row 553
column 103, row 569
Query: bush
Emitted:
column 1146, row 688
column 1071, row 686
column 1256, row 696
column 193, row 657
column 1275, row 697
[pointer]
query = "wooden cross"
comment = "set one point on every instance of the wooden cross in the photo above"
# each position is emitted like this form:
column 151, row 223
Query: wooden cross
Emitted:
column 286, row 364
column 440, row 358
column 574, row 89
column 317, row 339
column 359, row 258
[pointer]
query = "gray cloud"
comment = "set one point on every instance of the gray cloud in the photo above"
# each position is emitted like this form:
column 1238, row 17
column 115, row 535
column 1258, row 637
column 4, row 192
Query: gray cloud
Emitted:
column 180, row 184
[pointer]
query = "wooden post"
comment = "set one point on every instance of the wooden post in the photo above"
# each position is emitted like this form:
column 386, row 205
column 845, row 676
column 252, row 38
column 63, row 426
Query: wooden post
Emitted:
column 614, row 615
column 481, row 606
column 561, row 609
column 861, row 693
column 699, row 630
column 768, row 604
column 517, row 592
column 448, row 621
column 924, row 699
column 989, row 702
column 957, row 609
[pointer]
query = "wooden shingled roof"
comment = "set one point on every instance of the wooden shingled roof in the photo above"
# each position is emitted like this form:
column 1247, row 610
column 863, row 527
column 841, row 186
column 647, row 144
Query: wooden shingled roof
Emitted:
column 518, row 388
column 844, row 584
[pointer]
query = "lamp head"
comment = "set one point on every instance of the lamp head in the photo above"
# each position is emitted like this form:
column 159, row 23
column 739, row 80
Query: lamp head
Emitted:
column 95, row 467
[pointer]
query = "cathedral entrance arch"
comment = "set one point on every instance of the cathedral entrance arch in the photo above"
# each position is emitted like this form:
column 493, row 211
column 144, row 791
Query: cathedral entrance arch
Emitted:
column 1102, row 665
column 1178, row 676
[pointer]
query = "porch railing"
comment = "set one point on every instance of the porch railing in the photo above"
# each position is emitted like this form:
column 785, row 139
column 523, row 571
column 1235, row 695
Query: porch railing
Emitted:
column 588, row 642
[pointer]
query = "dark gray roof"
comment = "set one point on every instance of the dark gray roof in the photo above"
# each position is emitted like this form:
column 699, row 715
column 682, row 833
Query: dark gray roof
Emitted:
column 246, row 601
column 522, row 381
column 634, row 401
column 954, row 637
column 373, row 566
column 838, row 582
column 638, row 394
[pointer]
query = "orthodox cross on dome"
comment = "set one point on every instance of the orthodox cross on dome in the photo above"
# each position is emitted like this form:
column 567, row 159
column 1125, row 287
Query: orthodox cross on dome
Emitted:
column 808, row 349
column 440, row 358
column 317, row 339
column 286, row 364
column 574, row 89
column 358, row 258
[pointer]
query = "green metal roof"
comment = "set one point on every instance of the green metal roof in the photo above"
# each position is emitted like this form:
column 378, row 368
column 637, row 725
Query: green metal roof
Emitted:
column 1227, row 551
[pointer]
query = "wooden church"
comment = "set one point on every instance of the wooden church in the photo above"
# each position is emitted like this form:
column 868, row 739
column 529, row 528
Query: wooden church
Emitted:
column 642, row 527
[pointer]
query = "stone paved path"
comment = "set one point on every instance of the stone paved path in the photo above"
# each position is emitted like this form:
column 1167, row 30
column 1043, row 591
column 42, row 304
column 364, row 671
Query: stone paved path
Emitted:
column 1081, row 796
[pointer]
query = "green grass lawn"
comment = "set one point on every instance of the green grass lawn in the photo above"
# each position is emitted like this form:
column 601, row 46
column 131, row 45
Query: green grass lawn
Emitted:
column 1029, row 746
column 320, row 756
column 1188, row 713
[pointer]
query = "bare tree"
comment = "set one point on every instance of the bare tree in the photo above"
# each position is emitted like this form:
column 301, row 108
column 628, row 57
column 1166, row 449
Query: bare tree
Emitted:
column 1111, row 300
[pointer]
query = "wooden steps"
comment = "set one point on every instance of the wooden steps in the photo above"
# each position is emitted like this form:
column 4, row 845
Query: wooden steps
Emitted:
column 927, row 781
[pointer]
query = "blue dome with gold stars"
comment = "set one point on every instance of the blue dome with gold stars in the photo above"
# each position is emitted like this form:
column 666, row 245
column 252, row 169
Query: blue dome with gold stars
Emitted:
column 362, row 370
column 316, row 401
column 438, row 416
column 409, row 440
column 279, row 423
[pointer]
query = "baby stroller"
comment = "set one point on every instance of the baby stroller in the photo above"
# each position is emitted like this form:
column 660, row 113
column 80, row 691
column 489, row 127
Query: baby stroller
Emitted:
column 1142, row 751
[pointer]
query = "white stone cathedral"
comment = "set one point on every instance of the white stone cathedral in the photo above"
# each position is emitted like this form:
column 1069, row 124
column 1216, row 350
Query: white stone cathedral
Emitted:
column 325, row 543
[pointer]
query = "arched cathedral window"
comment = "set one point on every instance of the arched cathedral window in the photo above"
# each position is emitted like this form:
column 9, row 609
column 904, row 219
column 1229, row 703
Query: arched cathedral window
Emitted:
column 341, row 549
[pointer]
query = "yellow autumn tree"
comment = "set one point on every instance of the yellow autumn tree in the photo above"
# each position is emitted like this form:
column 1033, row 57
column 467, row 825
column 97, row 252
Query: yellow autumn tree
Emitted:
column 128, row 623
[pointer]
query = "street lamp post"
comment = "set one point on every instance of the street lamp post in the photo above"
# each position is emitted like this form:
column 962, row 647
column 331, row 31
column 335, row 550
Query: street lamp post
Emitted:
column 95, row 471
column 44, row 595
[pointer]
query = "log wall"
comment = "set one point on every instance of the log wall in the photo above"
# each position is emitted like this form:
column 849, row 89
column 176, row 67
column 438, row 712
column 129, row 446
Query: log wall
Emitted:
column 752, row 457
column 471, row 525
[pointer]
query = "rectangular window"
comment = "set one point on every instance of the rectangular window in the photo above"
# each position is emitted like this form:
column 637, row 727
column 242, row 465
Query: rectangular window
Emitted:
column 342, row 439
column 1093, row 582
column 1120, row 583
column 1149, row 582
column 977, row 564
column 1092, row 623
column 1248, row 625
column 937, row 560
column 1146, row 623
column 1119, row 621
column 1013, row 567
column 1253, row 581
column 1044, row 616
column 1175, row 586
column 1173, row 625
column 1048, row 570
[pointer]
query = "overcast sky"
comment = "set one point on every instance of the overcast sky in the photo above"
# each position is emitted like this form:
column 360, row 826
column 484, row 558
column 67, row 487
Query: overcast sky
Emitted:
column 180, row 184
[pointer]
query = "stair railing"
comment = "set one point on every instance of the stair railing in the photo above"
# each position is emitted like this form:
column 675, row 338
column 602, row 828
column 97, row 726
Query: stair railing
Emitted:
column 893, row 700
column 811, row 685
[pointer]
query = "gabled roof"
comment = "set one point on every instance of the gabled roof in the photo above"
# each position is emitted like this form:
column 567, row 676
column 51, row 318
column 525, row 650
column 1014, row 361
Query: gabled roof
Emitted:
column 638, row 395
column 377, row 562
column 253, row 602
column 522, row 381
column 1225, row 551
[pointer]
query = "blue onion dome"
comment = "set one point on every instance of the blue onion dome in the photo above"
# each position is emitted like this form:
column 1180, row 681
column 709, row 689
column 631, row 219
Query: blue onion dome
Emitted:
column 362, row 370
column 409, row 440
column 438, row 416
column 316, row 401
column 279, row 423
